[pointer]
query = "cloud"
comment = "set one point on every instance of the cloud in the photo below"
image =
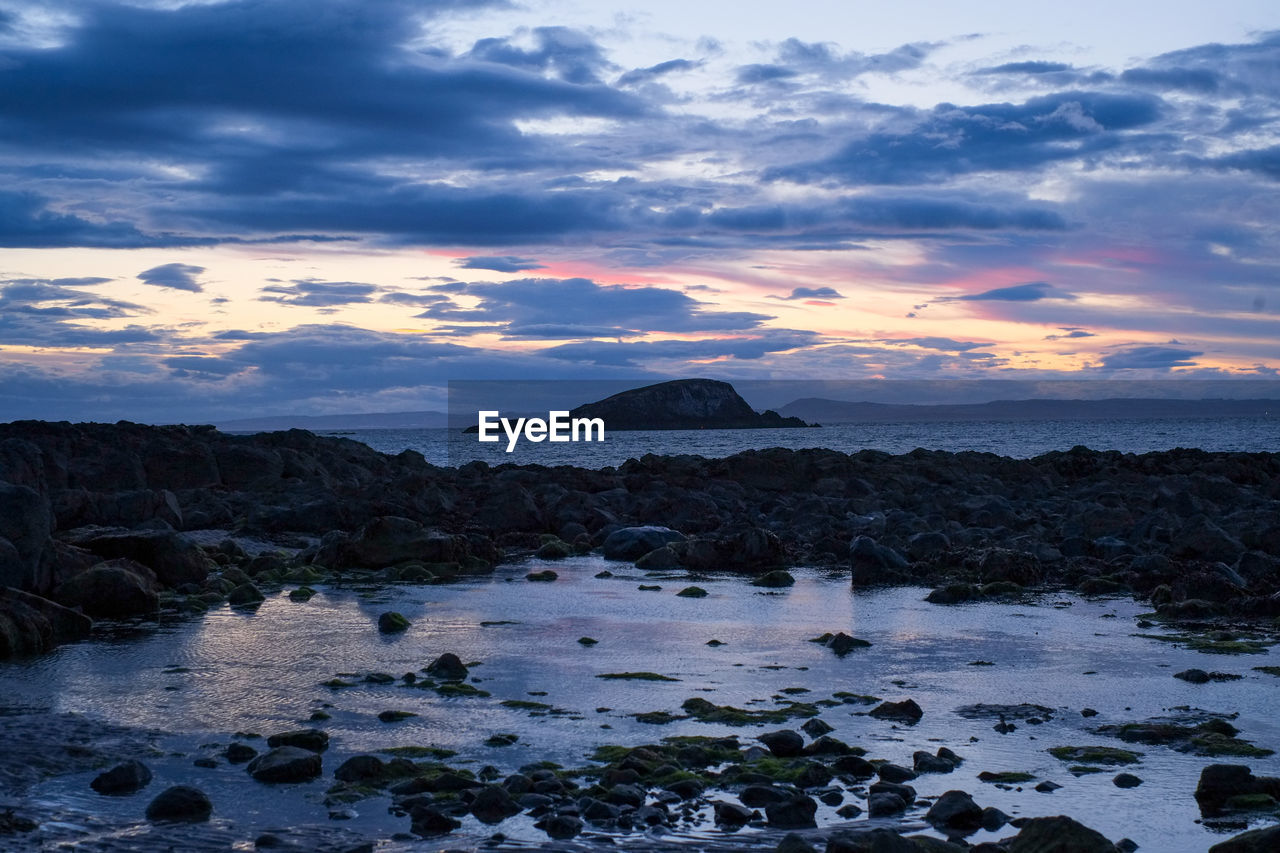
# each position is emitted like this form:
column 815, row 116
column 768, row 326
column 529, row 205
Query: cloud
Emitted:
column 1037, row 66
column 751, row 347
column 950, row 140
column 1149, row 358
column 319, row 294
column 580, row 302
column 644, row 75
column 810, row 293
column 569, row 54
column 175, row 276
column 1032, row 291
column 942, row 344
column 498, row 263
column 1070, row 334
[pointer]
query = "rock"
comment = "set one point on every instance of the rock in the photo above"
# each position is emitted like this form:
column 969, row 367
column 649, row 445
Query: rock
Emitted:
column 247, row 595
column 1047, row 787
column 793, row 842
column 388, row 540
column 112, row 589
column 392, row 622
column 905, row 792
column 1219, row 783
column 173, row 558
column 731, row 814
column 448, row 667
column 855, row 766
column 556, row 549
column 756, row 796
column 428, row 820
column 562, row 827
column 1265, row 840
column 30, row 624
column 841, row 643
column 883, row 805
column 923, row 762
column 1058, row 835
column 874, row 563
column 361, row 768
column 239, row 753
column 955, row 593
column 895, row 773
column 906, row 711
column 181, row 803
column 784, row 744
column 25, row 525
column 125, row 778
column 659, row 560
column 1126, row 780
column 631, row 543
column 493, row 804
column 313, row 740
column 286, row 764
column 793, row 813
column 924, row 545
column 546, row 576
column 816, row 728
column 692, row 592
column 878, row 840
column 775, row 579
column 955, row 810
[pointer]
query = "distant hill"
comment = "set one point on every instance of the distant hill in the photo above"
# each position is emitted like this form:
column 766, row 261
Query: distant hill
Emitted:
column 843, row 411
column 683, row 404
column 371, row 420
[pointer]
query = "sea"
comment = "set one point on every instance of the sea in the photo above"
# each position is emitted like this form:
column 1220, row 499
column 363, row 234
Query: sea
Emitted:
column 1021, row 439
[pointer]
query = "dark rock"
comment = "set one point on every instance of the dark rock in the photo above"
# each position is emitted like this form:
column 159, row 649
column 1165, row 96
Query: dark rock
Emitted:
column 30, row 624
column 631, row 543
column 181, row 803
column 659, row 560
column 731, row 814
column 493, row 804
column 448, row 667
column 313, row 740
column 793, row 842
column 114, row 588
column 955, row 810
column 1264, row 840
column 776, row 579
column 895, row 773
column 125, row 778
column 1219, row 783
column 239, row 753
column 1126, row 780
column 923, row 762
column 906, row 711
column 784, row 744
column 855, row 766
column 247, row 595
column 173, row 558
column 878, row 840
column 955, row 593
column 392, row 622
column 429, row 820
column 793, row 813
column 905, row 792
column 1058, row 835
column 361, row 768
column 25, row 525
column 816, row 728
column 1047, row 787
column 286, row 764
column 757, row 796
column 562, row 827
column 841, row 643
column 883, row 805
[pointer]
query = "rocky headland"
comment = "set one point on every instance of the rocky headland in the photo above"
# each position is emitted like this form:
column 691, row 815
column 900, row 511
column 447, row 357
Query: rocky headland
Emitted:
column 124, row 520
column 683, row 404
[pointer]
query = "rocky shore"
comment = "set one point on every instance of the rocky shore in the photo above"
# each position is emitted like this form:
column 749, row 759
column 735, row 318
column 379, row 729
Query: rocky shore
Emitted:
column 111, row 521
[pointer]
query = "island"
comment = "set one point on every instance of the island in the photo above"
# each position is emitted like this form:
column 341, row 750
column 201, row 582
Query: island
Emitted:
column 683, row 404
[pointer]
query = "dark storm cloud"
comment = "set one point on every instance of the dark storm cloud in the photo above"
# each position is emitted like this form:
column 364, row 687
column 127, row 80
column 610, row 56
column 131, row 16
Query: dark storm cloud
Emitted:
column 810, row 293
column 498, row 263
column 28, row 221
column 1149, row 358
column 174, row 276
column 1186, row 79
column 951, row 140
column 319, row 294
column 580, row 302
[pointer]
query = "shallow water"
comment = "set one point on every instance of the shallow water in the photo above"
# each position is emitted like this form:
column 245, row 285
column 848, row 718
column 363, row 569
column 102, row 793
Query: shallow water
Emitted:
column 204, row 678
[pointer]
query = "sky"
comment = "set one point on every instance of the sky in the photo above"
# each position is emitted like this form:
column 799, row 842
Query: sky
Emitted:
column 228, row 209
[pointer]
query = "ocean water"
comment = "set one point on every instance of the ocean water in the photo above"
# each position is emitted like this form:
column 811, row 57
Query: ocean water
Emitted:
column 200, row 679
column 1018, row 439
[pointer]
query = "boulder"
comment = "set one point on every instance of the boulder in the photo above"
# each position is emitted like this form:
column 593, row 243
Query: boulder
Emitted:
column 1265, row 840
column 793, row 813
column 1058, row 834
column 448, row 667
column 312, row 740
column 906, row 711
column 784, row 744
column 388, row 540
column 776, row 579
column 113, row 589
column 955, row 810
column 1221, row 782
column 30, row 624
column 181, row 803
column 175, row 559
column 879, row 840
column 632, row 543
column 286, row 764
column 493, row 804
column 26, row 523
column 361, row 768
column 126, row 778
